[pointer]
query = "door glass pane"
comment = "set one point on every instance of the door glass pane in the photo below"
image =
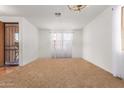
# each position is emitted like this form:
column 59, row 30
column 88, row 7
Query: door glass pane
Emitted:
column 67, row 36
column 53, row 35
column 58, row 36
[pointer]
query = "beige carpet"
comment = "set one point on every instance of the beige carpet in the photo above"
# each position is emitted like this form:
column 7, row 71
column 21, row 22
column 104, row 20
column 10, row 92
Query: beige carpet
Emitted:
column 58, row 73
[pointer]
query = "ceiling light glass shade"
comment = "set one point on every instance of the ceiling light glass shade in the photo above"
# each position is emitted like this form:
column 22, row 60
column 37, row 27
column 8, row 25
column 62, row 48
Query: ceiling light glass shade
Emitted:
column 76, row 8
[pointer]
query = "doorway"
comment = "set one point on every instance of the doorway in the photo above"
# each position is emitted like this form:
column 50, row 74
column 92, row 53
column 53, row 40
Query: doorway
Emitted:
column 61, row 44
column 11, row 44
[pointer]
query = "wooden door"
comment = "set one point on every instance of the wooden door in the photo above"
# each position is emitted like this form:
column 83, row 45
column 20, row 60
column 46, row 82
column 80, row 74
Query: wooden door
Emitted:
column 1, row 44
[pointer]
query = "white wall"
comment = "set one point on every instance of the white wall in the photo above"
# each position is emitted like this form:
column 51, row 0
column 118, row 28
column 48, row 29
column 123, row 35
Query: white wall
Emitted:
column 28, row 38
column 97, row 40
column 45, row 44
column 30, row 42
column 77, row 44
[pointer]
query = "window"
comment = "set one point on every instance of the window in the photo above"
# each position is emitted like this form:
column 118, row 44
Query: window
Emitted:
column 16, row 37
column 62, row 44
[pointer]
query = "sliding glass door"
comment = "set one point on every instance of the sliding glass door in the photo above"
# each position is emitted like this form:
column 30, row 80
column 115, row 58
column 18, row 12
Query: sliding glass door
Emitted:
column 61, row 45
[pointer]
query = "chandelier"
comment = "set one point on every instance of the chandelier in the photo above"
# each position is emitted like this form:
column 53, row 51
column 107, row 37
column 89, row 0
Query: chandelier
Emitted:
column 76, row 8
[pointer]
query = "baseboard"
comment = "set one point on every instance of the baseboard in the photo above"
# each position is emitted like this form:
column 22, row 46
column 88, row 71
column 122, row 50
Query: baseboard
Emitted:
column 98, row 66
column 28, row 62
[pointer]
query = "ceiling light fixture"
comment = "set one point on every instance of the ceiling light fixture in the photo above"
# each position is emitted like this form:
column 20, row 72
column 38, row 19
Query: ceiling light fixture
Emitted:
column 76, row 8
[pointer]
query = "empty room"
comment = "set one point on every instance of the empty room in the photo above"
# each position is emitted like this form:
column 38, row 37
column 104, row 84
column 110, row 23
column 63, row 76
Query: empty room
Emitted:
column 61, row 46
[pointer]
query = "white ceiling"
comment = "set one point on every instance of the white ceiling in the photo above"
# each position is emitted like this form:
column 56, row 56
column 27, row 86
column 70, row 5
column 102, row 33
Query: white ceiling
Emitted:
column 42, row 16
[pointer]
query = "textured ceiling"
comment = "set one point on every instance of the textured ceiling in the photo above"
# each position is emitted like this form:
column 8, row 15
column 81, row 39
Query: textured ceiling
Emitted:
column 42, row 16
